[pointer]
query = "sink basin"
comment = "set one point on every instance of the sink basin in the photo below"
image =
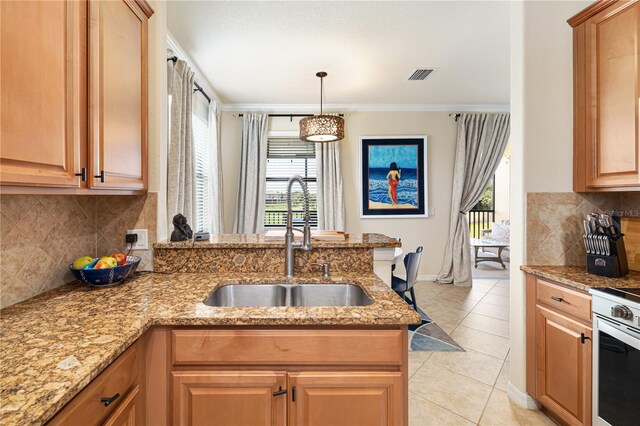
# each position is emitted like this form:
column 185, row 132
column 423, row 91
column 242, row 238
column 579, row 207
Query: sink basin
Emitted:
column 247, row 295
column 329, row 295
column 288, row 295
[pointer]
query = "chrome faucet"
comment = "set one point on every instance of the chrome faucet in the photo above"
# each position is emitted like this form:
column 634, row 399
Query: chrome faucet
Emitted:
column 290, row 244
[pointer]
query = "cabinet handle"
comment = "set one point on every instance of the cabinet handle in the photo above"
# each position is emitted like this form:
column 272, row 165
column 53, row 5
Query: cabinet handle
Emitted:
column 557, row 299
column 584, row 338
column 83, row 174
column 101, row 176
column 107, row 401
column 280, row 391
column 293, row 394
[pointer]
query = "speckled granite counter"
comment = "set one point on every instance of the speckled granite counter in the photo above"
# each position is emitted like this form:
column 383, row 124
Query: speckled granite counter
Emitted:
column 577, row 277
column 53, row 345
column 248, row 241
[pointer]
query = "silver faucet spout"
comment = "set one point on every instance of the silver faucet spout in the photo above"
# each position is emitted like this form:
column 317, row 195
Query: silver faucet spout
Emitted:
column 290, row 244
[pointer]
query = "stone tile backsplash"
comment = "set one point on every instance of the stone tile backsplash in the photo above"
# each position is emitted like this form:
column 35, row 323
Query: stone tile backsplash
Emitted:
column 40, row 235
column 554, row 223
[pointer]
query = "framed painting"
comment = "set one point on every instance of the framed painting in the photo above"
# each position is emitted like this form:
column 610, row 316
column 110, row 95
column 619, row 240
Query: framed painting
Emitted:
column 394, row 176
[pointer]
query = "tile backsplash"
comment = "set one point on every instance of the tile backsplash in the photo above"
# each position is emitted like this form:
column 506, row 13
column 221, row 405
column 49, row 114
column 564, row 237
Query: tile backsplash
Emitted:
column 40, row 235
column 554, row 223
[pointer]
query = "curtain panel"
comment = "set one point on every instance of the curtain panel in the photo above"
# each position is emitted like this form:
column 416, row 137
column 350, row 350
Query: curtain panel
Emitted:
column 216, row 194
column 481, row 141
column 253, row 174
column 181, row 191
column 330, row 194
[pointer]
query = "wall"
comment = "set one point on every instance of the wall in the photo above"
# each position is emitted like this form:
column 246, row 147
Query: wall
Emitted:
column 42, row 234
column 541, row 134
column 429, row 232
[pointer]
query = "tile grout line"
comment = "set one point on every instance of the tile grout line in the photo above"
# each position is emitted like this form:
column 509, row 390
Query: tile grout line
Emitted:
column 444, row 408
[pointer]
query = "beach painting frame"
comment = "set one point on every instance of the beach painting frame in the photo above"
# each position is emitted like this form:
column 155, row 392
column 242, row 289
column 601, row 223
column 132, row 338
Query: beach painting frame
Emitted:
column 393, row 177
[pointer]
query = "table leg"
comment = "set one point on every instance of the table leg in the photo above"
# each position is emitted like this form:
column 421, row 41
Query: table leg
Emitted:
column 476, row 257
column 500, row 257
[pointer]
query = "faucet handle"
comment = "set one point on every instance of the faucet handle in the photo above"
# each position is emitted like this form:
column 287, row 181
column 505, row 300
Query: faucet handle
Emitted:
column 325, row 269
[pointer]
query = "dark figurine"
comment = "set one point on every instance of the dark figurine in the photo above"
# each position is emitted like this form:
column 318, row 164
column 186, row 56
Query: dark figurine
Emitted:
column 181, row 229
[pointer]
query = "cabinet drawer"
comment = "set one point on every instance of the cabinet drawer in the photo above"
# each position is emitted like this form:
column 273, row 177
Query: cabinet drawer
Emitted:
column 119, row 378
column 287, row 347
column 564, row 299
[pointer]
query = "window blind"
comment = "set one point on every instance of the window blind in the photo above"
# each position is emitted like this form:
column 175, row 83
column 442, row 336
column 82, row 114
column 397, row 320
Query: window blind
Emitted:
column 287, row 157
column 201, row 148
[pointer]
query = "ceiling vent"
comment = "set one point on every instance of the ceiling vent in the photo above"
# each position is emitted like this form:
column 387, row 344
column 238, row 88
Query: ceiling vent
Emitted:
column 420, row 74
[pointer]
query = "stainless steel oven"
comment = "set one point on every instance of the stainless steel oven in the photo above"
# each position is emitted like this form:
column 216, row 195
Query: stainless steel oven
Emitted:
column 616, row 357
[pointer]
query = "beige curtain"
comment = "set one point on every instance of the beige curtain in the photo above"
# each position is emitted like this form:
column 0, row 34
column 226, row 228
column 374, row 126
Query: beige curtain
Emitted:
column 330, row 195
column 216, row 195
column 181, row 193
column 253, row 175
column 481, row 141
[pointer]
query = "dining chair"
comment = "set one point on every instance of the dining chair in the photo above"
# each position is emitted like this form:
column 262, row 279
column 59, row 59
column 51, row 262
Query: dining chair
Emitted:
column 402, row 286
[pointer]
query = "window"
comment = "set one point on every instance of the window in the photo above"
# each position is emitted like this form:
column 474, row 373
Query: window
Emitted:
column 287, row 157
column 201, row 148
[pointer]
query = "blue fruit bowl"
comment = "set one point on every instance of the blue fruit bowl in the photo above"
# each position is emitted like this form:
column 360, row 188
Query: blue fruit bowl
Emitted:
column 107, row 276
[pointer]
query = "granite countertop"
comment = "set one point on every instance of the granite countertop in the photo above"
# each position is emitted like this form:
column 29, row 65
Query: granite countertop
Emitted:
column 54, row 344
column 261, row 241
column 577, row 277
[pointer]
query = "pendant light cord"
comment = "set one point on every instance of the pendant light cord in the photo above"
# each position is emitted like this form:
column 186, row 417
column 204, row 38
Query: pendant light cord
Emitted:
column 321, row 92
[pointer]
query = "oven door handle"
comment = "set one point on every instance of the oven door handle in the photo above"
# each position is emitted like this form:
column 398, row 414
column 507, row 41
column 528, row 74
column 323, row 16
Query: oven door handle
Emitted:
column 620, row 335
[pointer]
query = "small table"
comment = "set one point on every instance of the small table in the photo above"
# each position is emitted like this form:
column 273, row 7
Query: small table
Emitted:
column 478, row 244
column 397, row 255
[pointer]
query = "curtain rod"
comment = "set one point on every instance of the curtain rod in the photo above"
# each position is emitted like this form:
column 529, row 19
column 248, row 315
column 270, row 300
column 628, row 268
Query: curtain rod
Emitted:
column 198, row 88
column 290, row 115
column 455, row 115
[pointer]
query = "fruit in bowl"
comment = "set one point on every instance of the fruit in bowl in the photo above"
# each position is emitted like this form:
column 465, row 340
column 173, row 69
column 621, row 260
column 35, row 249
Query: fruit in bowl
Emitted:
column 82, row 262
column 106, row 262
column 120, row 258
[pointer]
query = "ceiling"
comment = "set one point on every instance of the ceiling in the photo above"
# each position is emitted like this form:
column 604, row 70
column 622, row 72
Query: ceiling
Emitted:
column 268, row 52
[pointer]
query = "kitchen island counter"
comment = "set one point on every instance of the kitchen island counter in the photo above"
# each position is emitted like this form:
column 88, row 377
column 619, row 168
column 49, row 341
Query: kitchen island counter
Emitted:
column 54, row 344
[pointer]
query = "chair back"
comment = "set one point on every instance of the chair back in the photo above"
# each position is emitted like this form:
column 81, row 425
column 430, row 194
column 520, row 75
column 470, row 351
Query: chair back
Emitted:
column 411, row 265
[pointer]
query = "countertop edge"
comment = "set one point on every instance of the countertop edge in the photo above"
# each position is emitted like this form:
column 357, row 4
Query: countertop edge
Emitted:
column 577, row 277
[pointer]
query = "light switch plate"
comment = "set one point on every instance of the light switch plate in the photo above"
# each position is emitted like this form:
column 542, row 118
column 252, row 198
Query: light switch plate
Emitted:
column 143, row 239
column 431, row 211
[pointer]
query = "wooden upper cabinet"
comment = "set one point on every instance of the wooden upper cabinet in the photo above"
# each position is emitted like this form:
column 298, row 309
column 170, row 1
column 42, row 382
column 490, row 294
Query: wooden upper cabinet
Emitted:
column 118, row 94
column 220, row 398
column 563, row 366
column 606, row 97
column 346, row 398
column 43, row 94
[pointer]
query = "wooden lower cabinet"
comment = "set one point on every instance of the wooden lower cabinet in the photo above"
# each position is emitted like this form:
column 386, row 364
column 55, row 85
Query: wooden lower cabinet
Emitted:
column 228, row 398
column 563, row 366
column 127, row 412
column 346, row 398
column 559, row 349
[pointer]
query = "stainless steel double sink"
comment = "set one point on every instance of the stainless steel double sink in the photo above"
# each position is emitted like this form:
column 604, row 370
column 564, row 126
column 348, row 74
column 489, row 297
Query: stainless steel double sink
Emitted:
column 288, row 295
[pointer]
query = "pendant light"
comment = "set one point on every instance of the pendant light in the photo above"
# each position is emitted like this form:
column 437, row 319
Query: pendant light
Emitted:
column 322, row 128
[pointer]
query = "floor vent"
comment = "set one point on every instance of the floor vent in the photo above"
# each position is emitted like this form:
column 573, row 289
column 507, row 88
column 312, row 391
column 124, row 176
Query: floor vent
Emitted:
column 421, row 74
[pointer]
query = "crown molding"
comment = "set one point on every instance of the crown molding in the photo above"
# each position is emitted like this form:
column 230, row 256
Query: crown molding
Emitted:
column 313, row 108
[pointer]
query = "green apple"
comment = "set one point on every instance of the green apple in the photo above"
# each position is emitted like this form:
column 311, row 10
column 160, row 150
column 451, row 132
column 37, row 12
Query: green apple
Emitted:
column 81, row 262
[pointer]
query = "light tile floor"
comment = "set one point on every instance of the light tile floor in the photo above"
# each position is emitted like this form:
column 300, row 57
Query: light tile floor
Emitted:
column 466, row 388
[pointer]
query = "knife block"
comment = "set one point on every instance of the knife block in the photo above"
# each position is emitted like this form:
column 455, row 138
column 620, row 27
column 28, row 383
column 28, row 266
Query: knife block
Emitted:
column 614, row 266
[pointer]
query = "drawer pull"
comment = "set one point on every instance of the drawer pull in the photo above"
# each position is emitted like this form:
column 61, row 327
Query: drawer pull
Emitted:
column 293, row 394
column 557, row 299
column 83, row 174
column 280, row 391
column 107, row 401
column 584, row 338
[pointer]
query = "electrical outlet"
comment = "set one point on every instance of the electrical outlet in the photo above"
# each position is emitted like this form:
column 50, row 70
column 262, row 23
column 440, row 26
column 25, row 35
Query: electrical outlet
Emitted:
column 431, row 211
column 143, row 239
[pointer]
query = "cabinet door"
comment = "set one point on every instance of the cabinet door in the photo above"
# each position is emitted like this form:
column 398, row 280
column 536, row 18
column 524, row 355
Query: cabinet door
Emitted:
column 612, row 92
column 563, row 366
column 42, row 79
column 125, row 414
column 346, row 398
column 228, row 398
column 117, row 95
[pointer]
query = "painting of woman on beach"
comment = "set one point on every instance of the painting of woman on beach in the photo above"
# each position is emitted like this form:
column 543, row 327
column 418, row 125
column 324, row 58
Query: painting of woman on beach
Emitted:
column 393, row 176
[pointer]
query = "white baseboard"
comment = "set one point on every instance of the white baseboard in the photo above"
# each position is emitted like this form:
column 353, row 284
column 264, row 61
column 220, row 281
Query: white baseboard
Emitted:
column 523, row 399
